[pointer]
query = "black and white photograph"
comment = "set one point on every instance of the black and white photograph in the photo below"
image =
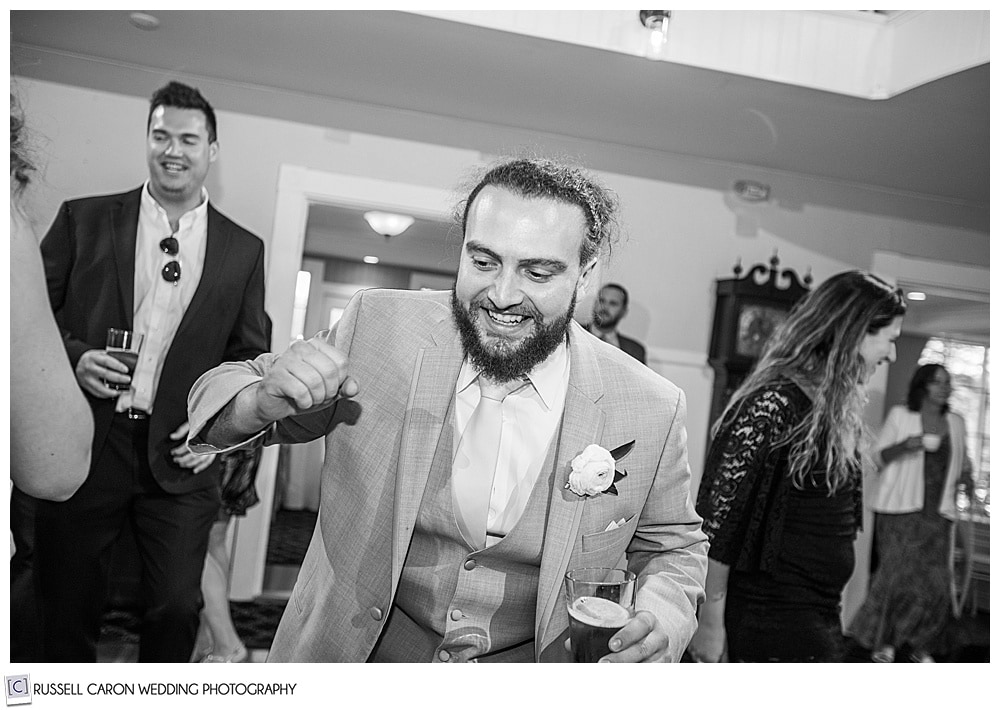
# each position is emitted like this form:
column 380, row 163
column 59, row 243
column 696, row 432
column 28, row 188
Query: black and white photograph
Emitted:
column 495, row 336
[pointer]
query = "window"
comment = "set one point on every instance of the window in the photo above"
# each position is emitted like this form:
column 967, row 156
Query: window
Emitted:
column 969, row 366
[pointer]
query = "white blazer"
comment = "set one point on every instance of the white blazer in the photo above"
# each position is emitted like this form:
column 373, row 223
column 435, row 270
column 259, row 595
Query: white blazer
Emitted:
column 899, row 486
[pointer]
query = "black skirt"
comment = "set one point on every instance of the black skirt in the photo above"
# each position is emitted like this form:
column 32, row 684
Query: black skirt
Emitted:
column 791, row 613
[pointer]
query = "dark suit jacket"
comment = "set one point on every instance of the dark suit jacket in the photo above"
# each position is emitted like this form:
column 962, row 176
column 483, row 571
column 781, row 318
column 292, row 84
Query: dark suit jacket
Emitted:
column 89, row 255
column 633, row 348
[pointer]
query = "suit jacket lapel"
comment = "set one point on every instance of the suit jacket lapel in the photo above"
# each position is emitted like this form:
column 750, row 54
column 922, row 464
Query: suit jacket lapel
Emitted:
column 124, row 228
column 582, row 424
column 426, row 428
column 217, row 241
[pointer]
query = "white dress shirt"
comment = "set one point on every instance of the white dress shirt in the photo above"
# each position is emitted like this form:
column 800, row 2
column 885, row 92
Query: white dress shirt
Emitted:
column 531, row 417
column 159, row 306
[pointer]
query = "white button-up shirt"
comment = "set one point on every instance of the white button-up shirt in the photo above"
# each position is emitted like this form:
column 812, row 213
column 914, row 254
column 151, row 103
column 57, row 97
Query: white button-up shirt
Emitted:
column 159, row 306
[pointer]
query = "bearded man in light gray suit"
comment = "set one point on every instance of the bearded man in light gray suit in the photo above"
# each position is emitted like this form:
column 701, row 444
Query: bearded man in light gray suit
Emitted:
column 397, row 569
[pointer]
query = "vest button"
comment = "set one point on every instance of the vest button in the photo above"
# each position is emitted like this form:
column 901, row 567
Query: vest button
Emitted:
column 375, row 613
column 456, row 614
column 470, row 564
column 444, row 655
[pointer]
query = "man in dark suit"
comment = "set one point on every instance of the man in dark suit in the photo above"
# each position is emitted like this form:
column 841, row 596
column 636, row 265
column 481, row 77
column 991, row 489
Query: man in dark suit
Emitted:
column 610, row 307
column 161, row 261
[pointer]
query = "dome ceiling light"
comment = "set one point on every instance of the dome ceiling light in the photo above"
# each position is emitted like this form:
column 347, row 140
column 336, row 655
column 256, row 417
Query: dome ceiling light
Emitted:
column 388, row 224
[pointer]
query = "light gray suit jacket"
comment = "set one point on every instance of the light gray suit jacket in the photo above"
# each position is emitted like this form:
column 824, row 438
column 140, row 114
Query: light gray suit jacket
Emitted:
column 406, row 354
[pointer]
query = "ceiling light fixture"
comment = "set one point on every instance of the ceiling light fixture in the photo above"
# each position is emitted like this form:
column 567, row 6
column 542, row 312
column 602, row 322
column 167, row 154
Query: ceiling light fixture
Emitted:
column 916, row 296
column 752, row 191
column 388, row 224
column 144, row 21
column 656, row 21
column 370, row 259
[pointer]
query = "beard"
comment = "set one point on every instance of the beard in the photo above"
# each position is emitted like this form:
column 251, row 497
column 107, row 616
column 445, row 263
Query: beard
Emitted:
column 498, row 358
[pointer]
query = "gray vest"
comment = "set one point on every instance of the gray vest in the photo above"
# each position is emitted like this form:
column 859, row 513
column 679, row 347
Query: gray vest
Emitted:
column 454, row 603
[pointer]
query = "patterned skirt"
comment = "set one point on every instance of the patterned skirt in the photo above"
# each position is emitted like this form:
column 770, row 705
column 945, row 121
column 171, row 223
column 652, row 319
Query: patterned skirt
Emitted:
column 238, row 483
column 909, row 600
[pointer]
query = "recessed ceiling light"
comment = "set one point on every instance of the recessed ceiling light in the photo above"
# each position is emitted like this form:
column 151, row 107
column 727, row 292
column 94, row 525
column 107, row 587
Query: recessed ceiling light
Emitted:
column 370, row 259
column 144, row 21
column 917, row 296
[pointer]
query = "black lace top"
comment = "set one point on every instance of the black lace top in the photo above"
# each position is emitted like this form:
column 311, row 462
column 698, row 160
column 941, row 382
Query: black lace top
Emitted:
column 744, row 493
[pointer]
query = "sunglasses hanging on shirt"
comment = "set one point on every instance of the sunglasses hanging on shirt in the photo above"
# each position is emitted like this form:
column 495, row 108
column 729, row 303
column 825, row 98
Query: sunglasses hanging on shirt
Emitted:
column 171, row 271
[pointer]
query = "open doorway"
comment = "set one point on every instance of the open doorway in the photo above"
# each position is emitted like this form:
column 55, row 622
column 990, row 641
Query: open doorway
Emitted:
column 341, row 255
column 319, row 229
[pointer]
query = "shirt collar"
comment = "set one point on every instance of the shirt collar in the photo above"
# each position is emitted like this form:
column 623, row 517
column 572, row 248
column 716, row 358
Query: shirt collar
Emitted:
column 547, row 377
column 152, row 207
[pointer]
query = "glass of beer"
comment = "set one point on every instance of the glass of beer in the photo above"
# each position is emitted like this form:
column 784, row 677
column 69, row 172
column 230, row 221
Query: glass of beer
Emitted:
column 123, row 346
column 600, row 601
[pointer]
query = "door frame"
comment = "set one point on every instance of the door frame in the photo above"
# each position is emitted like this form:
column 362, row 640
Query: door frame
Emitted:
column 298, row 189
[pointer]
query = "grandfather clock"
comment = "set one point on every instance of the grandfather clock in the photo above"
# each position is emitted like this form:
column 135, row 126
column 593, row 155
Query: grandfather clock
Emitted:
column 747, row 310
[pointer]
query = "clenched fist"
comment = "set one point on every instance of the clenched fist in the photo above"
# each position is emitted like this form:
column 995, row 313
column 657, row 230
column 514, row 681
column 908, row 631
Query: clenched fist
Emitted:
column 310, row 375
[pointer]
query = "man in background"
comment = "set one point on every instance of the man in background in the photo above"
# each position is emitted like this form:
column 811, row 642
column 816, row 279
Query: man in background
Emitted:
column 610, row 307
column 451, row 419
column 161, row 261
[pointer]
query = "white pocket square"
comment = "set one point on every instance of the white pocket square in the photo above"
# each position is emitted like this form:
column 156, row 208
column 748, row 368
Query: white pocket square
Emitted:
column 615, row 524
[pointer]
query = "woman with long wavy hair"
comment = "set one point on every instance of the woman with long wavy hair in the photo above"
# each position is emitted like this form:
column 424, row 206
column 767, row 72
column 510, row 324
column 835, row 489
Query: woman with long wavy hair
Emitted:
column 781, row 491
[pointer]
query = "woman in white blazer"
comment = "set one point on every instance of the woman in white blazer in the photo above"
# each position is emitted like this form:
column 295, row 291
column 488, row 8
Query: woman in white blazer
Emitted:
column 921, row 456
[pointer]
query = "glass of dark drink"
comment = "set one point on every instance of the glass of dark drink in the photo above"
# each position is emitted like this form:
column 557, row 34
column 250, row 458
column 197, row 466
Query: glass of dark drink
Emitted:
column 600, row 601
column 123, row 346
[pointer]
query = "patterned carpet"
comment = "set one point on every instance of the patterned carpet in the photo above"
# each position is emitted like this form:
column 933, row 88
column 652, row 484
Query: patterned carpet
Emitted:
column 967, row 640
column 256, row 621
column 289, row 536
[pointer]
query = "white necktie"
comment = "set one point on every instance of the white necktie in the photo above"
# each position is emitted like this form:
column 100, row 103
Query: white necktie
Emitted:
column 476, row 460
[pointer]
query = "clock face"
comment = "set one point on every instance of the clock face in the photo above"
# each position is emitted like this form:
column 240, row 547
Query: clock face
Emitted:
column 756, row 324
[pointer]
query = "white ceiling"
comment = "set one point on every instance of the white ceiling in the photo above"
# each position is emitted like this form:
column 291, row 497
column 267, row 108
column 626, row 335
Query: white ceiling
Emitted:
column 948, row 315
column 931, row 141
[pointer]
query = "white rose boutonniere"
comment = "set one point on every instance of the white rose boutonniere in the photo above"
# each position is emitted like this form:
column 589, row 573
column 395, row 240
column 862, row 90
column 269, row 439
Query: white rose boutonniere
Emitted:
column 593, row 470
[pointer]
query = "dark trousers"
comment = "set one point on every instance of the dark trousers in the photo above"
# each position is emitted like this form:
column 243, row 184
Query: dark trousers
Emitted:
column 25, row 625
column 73, row 549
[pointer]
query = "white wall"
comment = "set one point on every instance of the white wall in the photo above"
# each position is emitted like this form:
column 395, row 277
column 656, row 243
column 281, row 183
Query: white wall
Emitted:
column 93, row 142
